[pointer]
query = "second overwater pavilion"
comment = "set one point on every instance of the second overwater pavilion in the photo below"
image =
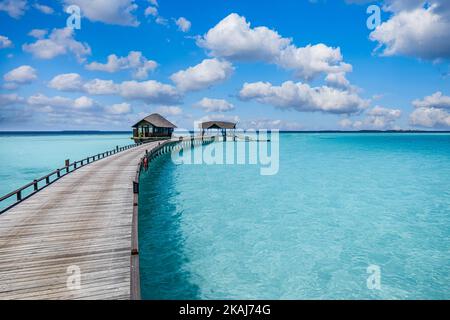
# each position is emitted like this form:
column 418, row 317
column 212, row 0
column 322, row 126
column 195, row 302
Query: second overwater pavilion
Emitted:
column 222, row 128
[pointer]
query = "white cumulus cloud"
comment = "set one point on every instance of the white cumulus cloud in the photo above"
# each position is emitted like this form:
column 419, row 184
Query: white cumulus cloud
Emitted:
column 43, row 8
column 214, row 105
column 42, row 100
column 150, row 91
column 83, row 103
column 38, row 33
column 436, row 100
column 135, row 61
column 415, row 30
column 377, row 118
column 233, row 38
column 430, row 118
column 9, row 99
column 66, row 82
column 183, row 24
column 203, row 75
column 302, row 97
column 119, row 12
column 21, row 75
column 169, row 110
column 100, row 87
column 151, row 11
column 59, row 42
column 119, row 108
column 431, row 111
column 14, row 8
column 338, row 80
column 5, row 42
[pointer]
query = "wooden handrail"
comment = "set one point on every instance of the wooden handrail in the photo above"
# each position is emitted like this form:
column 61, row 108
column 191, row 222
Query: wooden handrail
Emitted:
column 60, row 172
column 135, row 286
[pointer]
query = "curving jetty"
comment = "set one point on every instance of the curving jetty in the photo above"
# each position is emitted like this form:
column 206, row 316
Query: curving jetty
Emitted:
column 73, row 239
column 76, row 238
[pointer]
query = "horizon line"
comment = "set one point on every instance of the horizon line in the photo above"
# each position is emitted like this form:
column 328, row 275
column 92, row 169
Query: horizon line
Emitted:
column 284, row 131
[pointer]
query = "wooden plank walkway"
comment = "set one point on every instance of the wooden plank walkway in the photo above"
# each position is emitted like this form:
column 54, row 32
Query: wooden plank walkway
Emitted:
column 83, row 220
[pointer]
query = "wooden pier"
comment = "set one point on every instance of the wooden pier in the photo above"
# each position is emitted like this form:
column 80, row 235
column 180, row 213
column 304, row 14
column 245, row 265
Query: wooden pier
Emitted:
column 76, row 237
column 79, row 225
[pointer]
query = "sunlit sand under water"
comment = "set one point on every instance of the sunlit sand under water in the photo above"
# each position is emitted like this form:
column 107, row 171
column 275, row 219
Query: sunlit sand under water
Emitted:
column 339, row 203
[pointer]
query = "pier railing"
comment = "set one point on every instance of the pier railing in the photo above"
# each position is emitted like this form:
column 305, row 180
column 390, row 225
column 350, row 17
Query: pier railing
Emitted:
column 26, row 191
column 162, row 148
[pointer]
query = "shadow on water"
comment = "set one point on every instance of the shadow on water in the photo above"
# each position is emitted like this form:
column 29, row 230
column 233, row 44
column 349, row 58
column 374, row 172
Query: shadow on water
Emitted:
column 162, row 260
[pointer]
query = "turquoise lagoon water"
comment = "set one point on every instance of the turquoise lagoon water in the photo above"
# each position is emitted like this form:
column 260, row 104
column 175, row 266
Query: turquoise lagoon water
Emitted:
column 339, row 203
column 27, row 156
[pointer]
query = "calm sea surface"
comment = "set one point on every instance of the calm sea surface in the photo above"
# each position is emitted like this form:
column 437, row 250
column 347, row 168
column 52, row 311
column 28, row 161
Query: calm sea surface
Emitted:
column 339, row 203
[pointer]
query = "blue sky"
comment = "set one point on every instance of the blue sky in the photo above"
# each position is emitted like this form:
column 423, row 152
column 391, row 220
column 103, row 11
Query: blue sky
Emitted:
column 295, row 65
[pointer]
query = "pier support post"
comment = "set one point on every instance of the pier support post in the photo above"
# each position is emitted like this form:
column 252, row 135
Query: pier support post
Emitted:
column 135, row 187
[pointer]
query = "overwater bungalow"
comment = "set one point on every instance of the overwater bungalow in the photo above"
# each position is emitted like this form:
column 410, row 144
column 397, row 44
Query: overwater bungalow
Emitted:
column 216, row 127
column 153, row 127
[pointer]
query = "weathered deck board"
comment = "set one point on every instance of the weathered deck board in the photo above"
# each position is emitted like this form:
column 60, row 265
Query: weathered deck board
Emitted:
column 83, row 219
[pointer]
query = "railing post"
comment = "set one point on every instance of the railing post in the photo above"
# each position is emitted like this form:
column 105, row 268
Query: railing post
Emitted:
column 35, row 185
column 19, row 195
column 135, row 187
column 67, row 163
column 47, row 180
column 58, row 173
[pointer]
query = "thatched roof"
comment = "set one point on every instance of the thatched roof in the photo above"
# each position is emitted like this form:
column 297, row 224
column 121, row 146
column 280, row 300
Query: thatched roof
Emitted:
column 157, row 120
column 218, row 124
